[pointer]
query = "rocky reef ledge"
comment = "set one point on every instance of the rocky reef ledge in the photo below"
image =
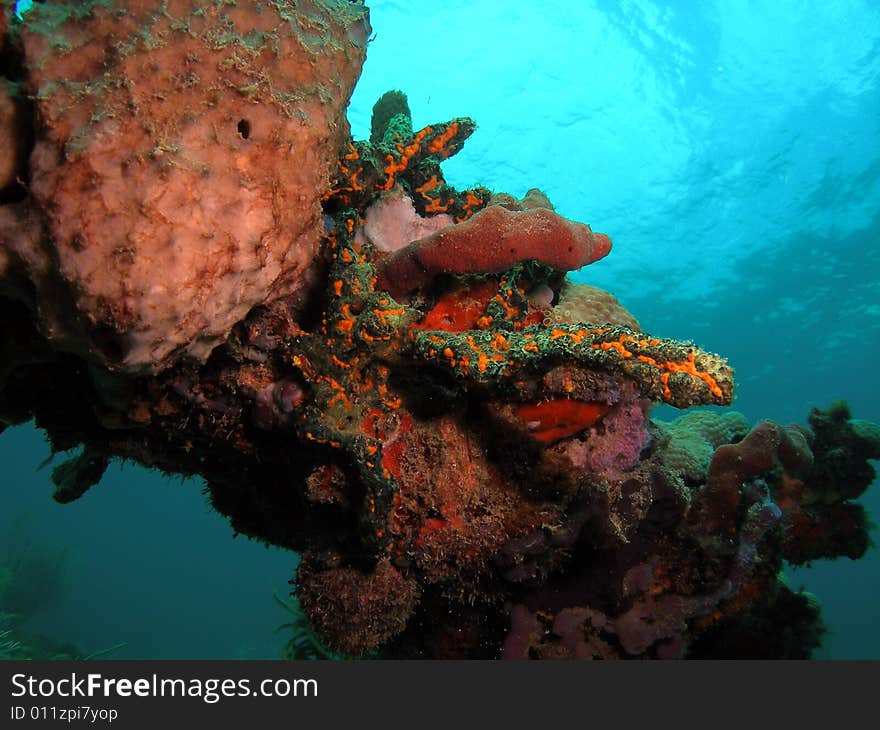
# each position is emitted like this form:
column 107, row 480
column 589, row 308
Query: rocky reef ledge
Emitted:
column 201, row 271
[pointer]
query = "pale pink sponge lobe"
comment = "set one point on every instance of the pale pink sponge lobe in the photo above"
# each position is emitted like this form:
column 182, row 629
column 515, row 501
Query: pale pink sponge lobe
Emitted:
column 182, row 153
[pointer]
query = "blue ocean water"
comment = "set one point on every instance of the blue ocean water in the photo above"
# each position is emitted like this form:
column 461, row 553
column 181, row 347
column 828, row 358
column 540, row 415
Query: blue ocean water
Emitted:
column 731, row 149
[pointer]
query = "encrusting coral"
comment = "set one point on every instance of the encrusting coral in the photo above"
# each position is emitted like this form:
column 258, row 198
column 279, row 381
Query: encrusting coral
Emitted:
column 454, row 434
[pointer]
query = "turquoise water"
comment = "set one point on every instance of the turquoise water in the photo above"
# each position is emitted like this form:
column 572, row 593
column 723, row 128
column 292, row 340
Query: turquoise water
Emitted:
column 732, row 152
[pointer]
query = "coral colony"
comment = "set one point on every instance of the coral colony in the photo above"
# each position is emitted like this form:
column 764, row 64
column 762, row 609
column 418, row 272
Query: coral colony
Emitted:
column 201, row 271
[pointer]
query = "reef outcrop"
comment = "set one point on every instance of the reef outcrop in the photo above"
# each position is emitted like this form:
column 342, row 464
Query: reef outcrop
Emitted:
column 455, row 435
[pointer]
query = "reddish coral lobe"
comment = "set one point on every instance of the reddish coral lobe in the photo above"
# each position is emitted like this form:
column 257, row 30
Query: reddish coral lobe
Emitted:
column 457, row 311
column 559, row 418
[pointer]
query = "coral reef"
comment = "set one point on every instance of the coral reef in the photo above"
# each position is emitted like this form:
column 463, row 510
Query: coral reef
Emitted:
column 454, row 435
column 690, row 440
column 820, row 518
column 584, row 303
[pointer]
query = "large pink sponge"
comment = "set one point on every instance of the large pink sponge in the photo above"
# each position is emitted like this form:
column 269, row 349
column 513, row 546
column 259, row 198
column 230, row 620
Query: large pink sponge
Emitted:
column 182, row 151
column 490, row 242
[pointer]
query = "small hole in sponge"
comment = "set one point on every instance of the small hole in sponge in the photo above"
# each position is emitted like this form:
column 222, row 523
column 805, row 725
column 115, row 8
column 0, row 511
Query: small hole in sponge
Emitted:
column 244, row 128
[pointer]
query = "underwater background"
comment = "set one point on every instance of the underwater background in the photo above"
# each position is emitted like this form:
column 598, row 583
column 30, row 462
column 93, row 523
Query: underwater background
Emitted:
column 731, row 149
